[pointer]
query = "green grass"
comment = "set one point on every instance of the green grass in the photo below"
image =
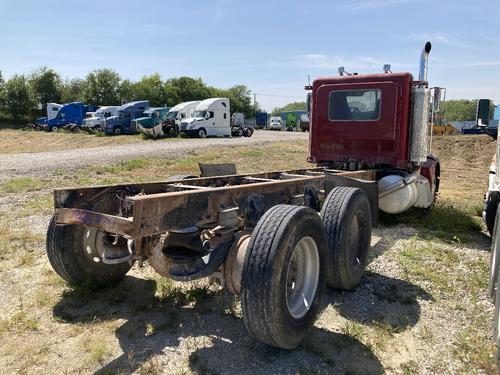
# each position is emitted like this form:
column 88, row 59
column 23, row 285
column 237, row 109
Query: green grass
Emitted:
column 21, row 185
column 446, row 220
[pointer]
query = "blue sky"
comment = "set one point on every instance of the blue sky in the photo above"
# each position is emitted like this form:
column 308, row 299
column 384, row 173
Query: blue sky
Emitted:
column 270, row 46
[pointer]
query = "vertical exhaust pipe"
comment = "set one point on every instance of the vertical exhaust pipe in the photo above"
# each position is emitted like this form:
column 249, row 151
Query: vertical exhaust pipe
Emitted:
column 424, row 57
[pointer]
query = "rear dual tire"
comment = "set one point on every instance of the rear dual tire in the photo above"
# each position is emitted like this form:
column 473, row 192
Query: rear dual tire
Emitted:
column 347, row 221
column 283, row 275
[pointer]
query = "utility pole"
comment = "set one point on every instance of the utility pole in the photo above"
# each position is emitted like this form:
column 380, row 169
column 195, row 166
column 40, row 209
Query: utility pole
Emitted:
column 255, row 104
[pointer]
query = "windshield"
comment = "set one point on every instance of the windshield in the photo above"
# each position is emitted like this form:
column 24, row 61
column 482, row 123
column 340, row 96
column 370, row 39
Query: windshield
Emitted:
column 199, row 114
column 172, row 115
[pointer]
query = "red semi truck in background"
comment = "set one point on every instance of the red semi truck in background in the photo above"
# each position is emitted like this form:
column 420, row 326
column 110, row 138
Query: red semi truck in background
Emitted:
column 265, row 236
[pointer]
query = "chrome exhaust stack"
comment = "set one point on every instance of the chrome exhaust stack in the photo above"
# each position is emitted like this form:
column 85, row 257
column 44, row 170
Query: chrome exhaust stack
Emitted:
column 424, row 58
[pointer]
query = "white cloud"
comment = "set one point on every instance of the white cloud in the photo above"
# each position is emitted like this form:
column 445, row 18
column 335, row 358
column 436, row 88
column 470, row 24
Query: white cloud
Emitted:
column 364, row 5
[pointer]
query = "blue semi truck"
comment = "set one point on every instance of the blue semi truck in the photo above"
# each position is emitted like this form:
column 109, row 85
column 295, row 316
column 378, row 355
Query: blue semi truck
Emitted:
column 122, row 122
column 67, row 114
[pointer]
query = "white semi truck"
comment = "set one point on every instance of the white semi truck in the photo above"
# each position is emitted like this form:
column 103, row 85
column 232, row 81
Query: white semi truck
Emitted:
column 95, row 120
column 212, row 118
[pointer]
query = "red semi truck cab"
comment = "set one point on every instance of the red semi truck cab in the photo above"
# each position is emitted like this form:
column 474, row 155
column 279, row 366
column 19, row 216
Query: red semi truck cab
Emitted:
column 362, row 120
column 381, row 122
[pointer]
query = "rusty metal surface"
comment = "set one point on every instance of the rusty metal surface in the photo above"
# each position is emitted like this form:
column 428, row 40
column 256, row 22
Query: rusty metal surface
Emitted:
column 162, row 206
column 104, row 222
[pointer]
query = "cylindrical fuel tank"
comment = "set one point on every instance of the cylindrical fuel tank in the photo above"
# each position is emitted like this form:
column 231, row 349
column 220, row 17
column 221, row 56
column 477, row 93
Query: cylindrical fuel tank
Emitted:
column 397, row 193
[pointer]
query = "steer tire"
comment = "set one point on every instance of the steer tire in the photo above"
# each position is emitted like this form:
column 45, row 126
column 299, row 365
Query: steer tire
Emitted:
column 267, row 286
column 490, row 210
column 202, row 133
column 117, row 130
column 69, row 258
column 348, row 225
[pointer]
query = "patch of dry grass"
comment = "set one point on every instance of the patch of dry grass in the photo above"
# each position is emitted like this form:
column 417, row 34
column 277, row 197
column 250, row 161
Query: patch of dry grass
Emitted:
column 17, row 141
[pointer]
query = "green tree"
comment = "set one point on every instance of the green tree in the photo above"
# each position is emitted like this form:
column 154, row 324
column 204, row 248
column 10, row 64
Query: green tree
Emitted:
column 17, row 97
column 102, row 87
column 183, row 89
column 294, row 106
column 2, row 88
column 45, row 85
column 150, row 88
column 126, row 91
column 460, row 110
column 241, row 99
column 72, row 90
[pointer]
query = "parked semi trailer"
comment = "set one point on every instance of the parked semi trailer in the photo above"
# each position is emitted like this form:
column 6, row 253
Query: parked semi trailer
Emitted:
column 122, row 122
column 265, row 236
column 261, row 120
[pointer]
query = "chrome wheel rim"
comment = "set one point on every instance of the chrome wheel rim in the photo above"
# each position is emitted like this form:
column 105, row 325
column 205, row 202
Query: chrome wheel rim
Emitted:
column 302, row 277
column 98, row 244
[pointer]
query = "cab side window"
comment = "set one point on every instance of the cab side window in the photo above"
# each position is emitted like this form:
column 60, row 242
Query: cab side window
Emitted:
column 211, row 114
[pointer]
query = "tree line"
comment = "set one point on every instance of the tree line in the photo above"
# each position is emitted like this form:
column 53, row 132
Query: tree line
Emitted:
column 25, row 96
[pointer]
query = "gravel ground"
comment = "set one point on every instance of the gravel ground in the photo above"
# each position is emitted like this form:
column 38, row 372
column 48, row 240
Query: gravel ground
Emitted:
column 40, row 163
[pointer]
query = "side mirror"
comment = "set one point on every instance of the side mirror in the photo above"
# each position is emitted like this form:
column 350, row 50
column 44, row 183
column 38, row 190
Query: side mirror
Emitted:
column 483, row 112
column 308, row 102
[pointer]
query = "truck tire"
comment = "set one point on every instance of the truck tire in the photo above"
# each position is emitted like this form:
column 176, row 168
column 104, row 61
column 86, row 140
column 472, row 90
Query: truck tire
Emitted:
column 74, row 261
column 202, row 133
column 283, row 276
column 54, row 129
column 490, row 210
column 248, row 132
column 348, row 225
column 117, row 130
